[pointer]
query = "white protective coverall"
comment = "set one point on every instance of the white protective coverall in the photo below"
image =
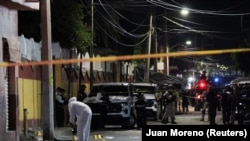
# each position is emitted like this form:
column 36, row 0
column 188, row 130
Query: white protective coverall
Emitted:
column 83, row 115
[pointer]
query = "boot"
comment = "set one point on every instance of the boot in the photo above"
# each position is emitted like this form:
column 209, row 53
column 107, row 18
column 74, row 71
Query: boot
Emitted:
column 202, row 117
column 172, row 121
column 164, row 120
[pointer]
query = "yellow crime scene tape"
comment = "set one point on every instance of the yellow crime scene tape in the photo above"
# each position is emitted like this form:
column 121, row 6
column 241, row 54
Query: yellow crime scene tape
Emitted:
column 127, row 57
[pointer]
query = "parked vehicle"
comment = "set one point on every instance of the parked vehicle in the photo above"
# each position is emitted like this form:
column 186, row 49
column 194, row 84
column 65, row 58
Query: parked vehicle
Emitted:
column 243, row 107
column 121, row 107
column 148, row 90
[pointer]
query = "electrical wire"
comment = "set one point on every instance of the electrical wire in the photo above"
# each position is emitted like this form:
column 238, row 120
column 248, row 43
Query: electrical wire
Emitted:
column 124, row 44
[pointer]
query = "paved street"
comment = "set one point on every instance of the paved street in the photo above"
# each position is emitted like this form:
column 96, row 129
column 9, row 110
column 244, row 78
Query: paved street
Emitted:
column 113, row 133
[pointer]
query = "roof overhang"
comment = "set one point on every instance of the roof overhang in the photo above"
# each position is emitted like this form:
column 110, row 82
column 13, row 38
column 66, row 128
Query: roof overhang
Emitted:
column 21, row 4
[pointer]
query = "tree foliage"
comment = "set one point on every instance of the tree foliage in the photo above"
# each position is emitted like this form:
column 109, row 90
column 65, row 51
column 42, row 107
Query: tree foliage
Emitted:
column 68, row 25
column 241, row 59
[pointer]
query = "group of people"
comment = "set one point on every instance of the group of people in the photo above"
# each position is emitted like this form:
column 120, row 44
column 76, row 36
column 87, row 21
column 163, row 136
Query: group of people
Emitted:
column 80, row 114
column 210, row 101
column 229, row 100
column 166, row 102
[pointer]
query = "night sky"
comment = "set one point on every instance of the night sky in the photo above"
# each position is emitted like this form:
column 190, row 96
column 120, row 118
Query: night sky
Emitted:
column 210, row 24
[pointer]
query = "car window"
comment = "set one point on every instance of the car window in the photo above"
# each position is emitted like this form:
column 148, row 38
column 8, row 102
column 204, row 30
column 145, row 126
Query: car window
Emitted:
column 145, row 89
column 94, row 91
column 116, row 90
column 111, row 90
column 245, row 92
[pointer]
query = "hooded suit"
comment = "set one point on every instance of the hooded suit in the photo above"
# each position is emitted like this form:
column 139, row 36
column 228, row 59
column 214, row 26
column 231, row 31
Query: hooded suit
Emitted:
column 83, row 115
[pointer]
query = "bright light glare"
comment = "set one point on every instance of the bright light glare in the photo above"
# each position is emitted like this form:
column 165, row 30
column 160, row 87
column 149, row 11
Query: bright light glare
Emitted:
column 188, row 42
column 216, row 80
column 184, row 12
column 190, row 79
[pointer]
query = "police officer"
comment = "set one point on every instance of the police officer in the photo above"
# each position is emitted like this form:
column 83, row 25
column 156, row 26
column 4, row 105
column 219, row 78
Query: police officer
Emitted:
column 184, row 98
column 104, row 108
column 235, row 101
column 226, row 100
column 140, row 107
column 212, row 104
column 204, row 104
column 60, row 103
column 158, row 97
column 170, row 99
column 82, row 94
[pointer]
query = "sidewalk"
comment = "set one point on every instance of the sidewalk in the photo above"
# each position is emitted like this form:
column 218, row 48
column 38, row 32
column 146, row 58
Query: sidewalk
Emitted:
column 60, row 134
column 65, row 134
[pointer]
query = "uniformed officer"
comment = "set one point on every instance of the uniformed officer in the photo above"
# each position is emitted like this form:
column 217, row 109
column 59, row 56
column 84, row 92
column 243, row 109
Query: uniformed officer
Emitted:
column 59, row 105
column 158, row 97
column 170, row 98
column 140, row 107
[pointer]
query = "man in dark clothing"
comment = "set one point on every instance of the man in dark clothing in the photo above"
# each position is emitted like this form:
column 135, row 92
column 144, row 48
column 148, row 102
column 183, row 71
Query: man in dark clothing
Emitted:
column 235, row 101
column 170, row 97
column 184, row 97
column 140, row 107
column 60, row 104
column 212, row 105
column 104, row 107
column 81, row 94
column 226, row 100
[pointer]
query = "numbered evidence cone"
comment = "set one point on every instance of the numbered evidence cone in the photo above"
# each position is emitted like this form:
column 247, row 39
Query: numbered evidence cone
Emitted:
column 98, row 137
column 39, row 135
column 74, row 138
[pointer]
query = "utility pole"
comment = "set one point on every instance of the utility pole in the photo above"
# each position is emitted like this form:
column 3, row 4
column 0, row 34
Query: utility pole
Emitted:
column 47, row 71
column 149, row 49
column 167, row 59
column 167, row 48
column 92, row 44
column 156, row 50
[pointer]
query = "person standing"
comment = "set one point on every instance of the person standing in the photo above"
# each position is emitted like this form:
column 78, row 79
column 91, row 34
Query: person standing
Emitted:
column 140, row 107
column 204, row 104
column 235, row 101
column 60, row 103
column 170, row 99
column 184, row 98
column 226, row 100
column 158, row 98
column 82, row 94
column 104, row 108
column 212, row 105
column 80, row 116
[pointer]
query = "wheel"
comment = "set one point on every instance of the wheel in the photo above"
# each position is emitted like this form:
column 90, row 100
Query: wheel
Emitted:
column 131, row 122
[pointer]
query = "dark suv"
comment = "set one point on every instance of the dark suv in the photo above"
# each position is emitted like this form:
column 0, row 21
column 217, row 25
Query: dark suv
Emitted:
column 243, row 106
column 121, row 105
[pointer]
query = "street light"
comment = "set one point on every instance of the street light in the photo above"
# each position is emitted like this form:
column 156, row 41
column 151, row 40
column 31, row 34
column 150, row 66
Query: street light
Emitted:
column 168, row 49
column 184, row 12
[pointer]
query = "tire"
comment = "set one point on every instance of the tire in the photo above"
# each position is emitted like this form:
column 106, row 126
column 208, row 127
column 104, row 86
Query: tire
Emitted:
column 131, row 123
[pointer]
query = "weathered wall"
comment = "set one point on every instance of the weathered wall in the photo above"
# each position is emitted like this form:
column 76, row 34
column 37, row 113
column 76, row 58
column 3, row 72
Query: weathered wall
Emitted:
column 8, row 29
